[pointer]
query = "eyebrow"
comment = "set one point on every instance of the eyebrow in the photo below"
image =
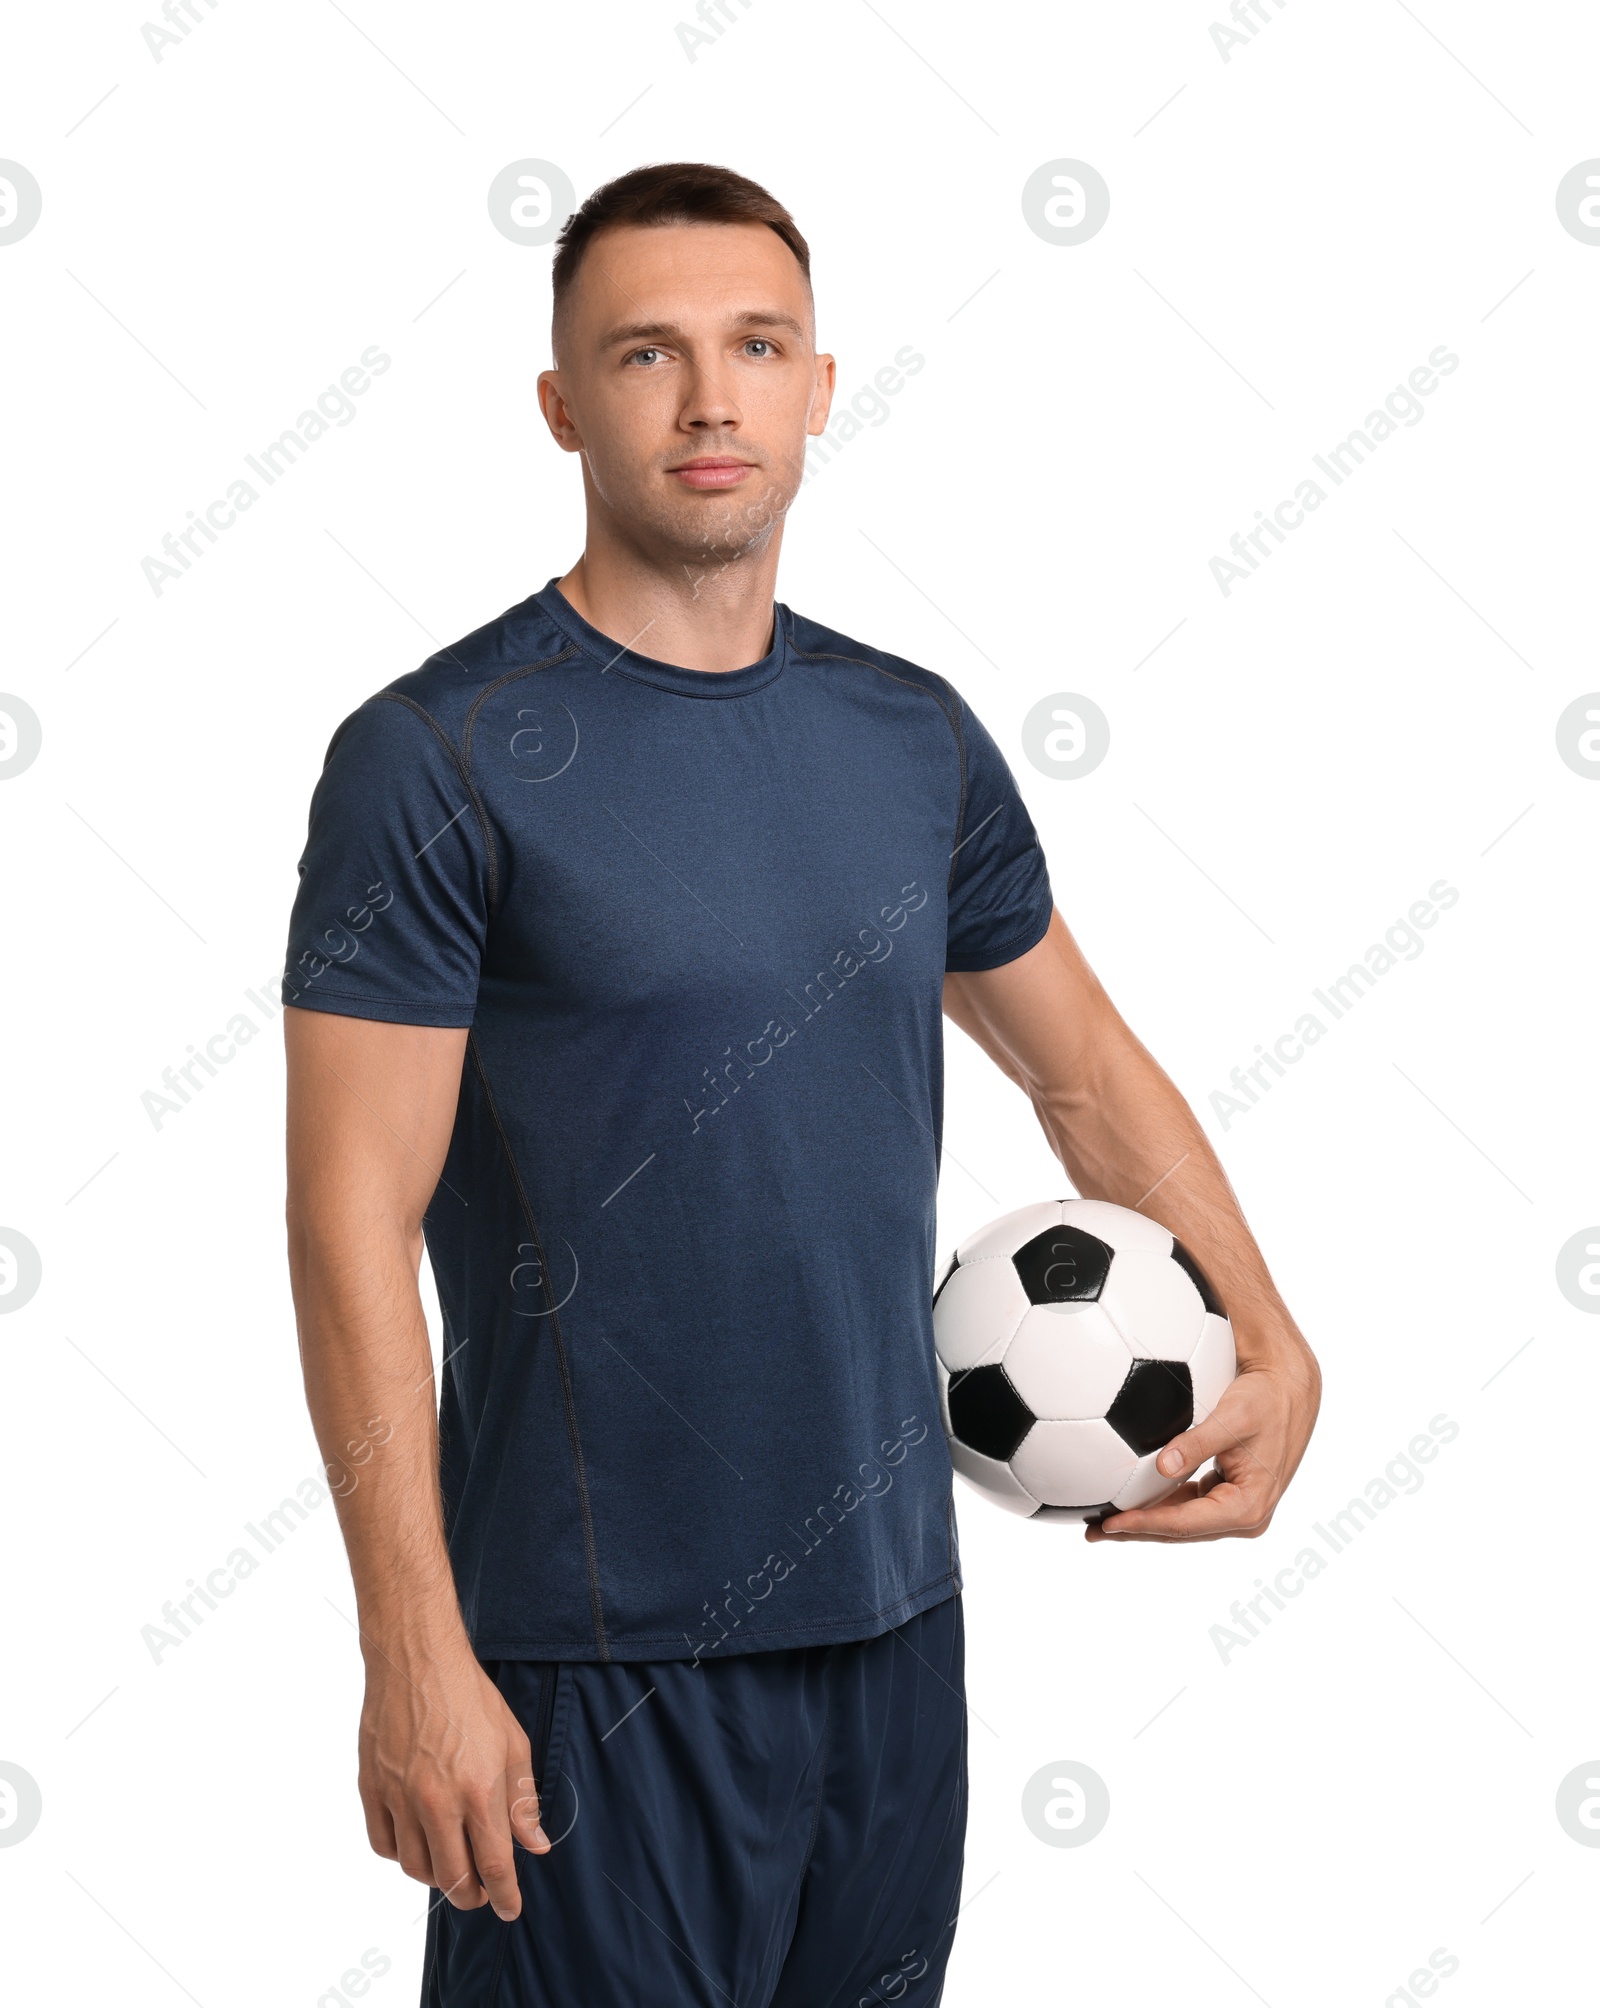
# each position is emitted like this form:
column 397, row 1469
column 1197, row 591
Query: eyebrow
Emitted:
column 752, row 317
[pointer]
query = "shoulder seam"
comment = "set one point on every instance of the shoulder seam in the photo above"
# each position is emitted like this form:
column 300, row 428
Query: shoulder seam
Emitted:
column 500, row 683
column 952, row 718
column 491, row 858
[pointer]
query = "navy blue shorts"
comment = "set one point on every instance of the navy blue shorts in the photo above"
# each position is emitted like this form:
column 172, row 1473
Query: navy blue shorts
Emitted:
column 777, row 1830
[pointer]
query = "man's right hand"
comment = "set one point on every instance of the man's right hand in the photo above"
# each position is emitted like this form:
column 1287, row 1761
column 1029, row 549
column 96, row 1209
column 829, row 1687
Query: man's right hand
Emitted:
column 447, row 1778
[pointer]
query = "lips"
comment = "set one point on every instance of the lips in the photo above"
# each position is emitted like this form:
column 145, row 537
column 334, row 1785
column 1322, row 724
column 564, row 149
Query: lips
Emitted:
column 712, row 472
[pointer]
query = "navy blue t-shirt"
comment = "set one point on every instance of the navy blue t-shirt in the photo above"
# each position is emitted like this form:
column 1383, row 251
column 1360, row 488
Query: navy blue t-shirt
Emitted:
column 697, row 923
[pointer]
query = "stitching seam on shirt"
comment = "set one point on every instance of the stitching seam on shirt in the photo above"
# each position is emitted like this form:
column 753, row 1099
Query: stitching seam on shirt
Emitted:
column 559, row 1649
column 500, row 682
column 361, row 997
column 634, row 676
column 1000, row 948
column 951, row 718
column 411, row 704
column 561, row 1359
column 961, row 806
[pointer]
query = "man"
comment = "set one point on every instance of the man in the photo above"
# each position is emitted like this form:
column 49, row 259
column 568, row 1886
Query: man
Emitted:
column 616, row 973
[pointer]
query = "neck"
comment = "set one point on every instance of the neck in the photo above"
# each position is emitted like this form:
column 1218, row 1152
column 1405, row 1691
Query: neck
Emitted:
column 710, row 614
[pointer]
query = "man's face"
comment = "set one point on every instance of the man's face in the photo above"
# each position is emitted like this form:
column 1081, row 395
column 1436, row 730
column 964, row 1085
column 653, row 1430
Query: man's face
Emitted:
column 689, row 381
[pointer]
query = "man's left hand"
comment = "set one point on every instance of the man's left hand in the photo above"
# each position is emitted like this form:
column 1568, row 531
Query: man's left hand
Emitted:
column 1257, row 1433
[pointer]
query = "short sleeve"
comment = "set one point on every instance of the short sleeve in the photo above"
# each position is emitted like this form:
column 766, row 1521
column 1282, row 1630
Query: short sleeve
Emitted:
column 1000, row 901
column 392, row 910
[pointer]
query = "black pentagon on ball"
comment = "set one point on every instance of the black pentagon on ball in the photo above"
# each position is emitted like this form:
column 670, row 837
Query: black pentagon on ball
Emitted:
column 1063, row 1265
column 1153, row 1405
column 1198, row 1277
column 986, row 1412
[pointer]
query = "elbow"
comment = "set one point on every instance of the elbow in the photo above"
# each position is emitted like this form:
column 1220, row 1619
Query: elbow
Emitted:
column 332, row 1236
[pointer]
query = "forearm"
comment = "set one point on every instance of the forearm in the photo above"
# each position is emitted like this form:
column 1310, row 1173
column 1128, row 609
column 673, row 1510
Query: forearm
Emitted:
column 369, row 1387
column 1124, row 1133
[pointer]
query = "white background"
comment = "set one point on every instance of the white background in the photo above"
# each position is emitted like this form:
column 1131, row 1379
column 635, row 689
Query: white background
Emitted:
column 1291, row 233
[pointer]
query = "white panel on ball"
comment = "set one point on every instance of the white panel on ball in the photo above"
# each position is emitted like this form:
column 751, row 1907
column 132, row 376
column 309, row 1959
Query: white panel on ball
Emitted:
column 1067, row 1361
column 1117, row 1226
column 1011, row 1231
column 993, row 1479
column 1154, row 1305
column 1073, row 1463
column 1212, row 1364
column 978, row 1310
column 1145, row 1486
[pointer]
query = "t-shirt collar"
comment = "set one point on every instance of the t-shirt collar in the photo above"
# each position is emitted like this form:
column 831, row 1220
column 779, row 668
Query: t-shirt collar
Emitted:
column 667, row 675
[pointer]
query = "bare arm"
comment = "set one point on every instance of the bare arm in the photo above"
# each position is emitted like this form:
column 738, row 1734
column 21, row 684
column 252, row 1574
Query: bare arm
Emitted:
column 445, row 1770
column 1124, row 1133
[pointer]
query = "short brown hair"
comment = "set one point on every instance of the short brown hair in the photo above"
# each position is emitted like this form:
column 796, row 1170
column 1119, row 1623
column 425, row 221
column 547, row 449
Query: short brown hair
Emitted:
column 678, row 191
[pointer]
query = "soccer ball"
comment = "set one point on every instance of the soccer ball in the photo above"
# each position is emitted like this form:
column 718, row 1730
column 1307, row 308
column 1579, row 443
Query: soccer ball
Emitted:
column 1075, row 1340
